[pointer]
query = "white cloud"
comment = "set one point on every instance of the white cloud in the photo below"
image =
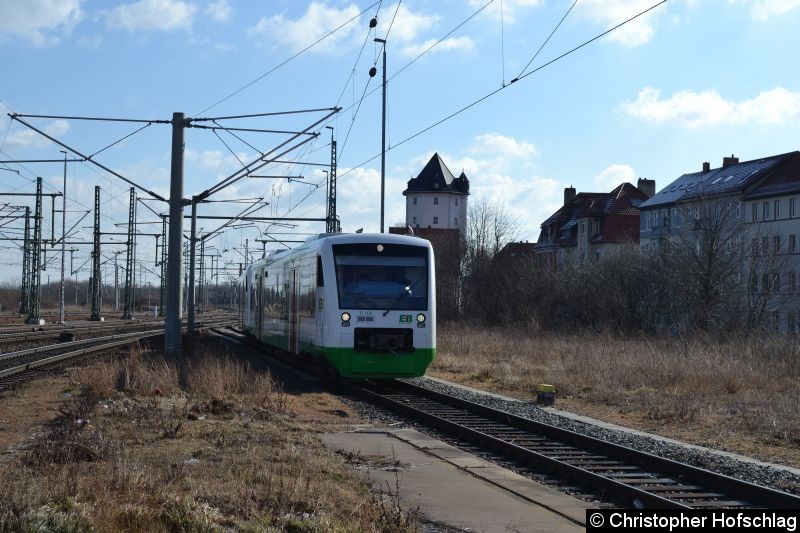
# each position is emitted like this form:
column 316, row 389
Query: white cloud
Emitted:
column 707, row 108
column 458, row 44
column 219, row 10
column 217, row 160
column 608, row 13
column 510, row 8
column 317, row 21
column 502, row 145
column 762, row 10
column 147, row 15
column 407, row 25
column 613, row 175
column 28, row 138
column 35, row 20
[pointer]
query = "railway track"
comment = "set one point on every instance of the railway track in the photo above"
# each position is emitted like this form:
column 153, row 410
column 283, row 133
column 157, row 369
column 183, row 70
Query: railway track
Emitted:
column 610, row 472
column 615, row 473
column 36, row 333
column 21, row 364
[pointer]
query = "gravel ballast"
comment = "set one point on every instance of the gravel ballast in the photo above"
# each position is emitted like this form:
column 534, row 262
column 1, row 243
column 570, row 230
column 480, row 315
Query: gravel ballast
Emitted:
column 753, row 471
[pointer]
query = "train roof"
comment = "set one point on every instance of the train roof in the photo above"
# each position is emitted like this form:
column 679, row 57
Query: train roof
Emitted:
column 322, row 239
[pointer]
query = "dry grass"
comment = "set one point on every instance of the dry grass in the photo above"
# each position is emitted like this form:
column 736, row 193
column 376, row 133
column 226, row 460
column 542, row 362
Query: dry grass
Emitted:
column 739, row 394
column 131, row 451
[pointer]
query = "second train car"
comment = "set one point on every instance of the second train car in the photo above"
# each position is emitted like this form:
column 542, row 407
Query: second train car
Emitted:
column 361, row 304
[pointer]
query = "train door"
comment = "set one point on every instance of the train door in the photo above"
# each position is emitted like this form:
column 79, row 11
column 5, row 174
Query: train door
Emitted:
column 294, row 311
column 259, row 305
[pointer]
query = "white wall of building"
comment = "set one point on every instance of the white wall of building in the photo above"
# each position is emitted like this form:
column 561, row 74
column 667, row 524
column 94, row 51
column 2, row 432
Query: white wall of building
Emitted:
column 442, row 210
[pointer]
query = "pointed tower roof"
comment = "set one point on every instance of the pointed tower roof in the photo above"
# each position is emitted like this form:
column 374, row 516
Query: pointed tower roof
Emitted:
column 436, row 177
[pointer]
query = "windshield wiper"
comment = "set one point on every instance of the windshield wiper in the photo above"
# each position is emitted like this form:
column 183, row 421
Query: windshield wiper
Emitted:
column 406, row 292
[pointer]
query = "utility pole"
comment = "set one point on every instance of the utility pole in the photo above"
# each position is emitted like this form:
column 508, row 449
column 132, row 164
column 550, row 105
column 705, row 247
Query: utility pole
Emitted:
column 94, row 281
column 201, row 287
column 26, row 264
column 383, row 134
column 116, row 282
column 331, row 225
column 162, row 302
column 192, row 244
column 35, row 262
column 63, row 241
column 172, row 323
column 130, row 260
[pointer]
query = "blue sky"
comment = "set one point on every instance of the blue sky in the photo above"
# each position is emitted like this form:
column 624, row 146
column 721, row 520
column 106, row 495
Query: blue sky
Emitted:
column 692, row 81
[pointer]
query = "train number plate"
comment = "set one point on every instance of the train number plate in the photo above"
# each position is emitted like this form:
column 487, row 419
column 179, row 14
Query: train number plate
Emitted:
column 405, row 319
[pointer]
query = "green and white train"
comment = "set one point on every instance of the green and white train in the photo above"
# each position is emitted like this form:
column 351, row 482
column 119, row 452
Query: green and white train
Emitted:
column 363, row 305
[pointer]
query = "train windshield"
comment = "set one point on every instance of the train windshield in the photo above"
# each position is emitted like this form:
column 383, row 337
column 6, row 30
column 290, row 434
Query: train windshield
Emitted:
column 379, row 276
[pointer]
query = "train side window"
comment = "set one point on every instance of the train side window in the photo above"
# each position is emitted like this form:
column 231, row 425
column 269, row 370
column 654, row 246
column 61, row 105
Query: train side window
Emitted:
column 320, row 280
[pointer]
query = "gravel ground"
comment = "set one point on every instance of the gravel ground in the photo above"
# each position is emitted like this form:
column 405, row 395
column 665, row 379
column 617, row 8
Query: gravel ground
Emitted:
column 763, row 475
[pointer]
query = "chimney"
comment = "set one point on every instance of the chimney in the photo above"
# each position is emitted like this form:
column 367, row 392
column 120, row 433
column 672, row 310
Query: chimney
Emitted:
column 728, row 161
column 706, row 166
column 648, row 187
column 569, row 194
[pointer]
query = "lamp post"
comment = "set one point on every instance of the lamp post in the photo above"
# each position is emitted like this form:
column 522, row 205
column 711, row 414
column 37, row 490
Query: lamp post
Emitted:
column 383, row 131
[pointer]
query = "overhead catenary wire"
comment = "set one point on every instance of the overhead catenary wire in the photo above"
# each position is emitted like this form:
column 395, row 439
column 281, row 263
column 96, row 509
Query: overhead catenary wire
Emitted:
column 501, row 88
column 521, row 72
column 284, row 62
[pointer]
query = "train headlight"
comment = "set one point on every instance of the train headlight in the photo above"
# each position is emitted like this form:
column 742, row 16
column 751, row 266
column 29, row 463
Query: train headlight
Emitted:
column 345, row 317
column 420, row 318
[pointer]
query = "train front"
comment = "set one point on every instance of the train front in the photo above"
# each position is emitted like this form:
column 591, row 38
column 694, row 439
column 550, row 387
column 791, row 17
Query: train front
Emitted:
column 382, row 320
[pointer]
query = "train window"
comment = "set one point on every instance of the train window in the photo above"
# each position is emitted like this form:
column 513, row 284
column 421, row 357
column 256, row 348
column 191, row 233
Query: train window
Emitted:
column 397, row 277
column 320, row 278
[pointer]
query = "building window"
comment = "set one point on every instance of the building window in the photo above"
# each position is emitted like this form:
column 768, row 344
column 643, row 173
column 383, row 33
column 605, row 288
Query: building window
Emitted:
column 415, row 220
column 792, row 212
column 776, row 244
column 765, row 209
column 455, row 221
column 435, row 200
column 674, row 217
column 755, row 212
column 777, row 209
column 792, row 243
column 456, row 201
column 738, row 209
column 435, row 220
column 582, row 228
column 415, row 201
column 792, row 281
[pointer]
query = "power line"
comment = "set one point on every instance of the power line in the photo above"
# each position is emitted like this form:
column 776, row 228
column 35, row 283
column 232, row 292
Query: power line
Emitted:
column 284, row 62
column 492, row 93
column 546, row 40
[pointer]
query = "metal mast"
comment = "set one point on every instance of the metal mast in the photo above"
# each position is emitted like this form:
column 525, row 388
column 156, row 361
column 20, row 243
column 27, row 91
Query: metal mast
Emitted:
column 163, row 292
column 130, row 260
column 172, row 323
column 63, row 242
column 36, row 256
column 331, row 222
column 95, row 279
column 26, row 264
